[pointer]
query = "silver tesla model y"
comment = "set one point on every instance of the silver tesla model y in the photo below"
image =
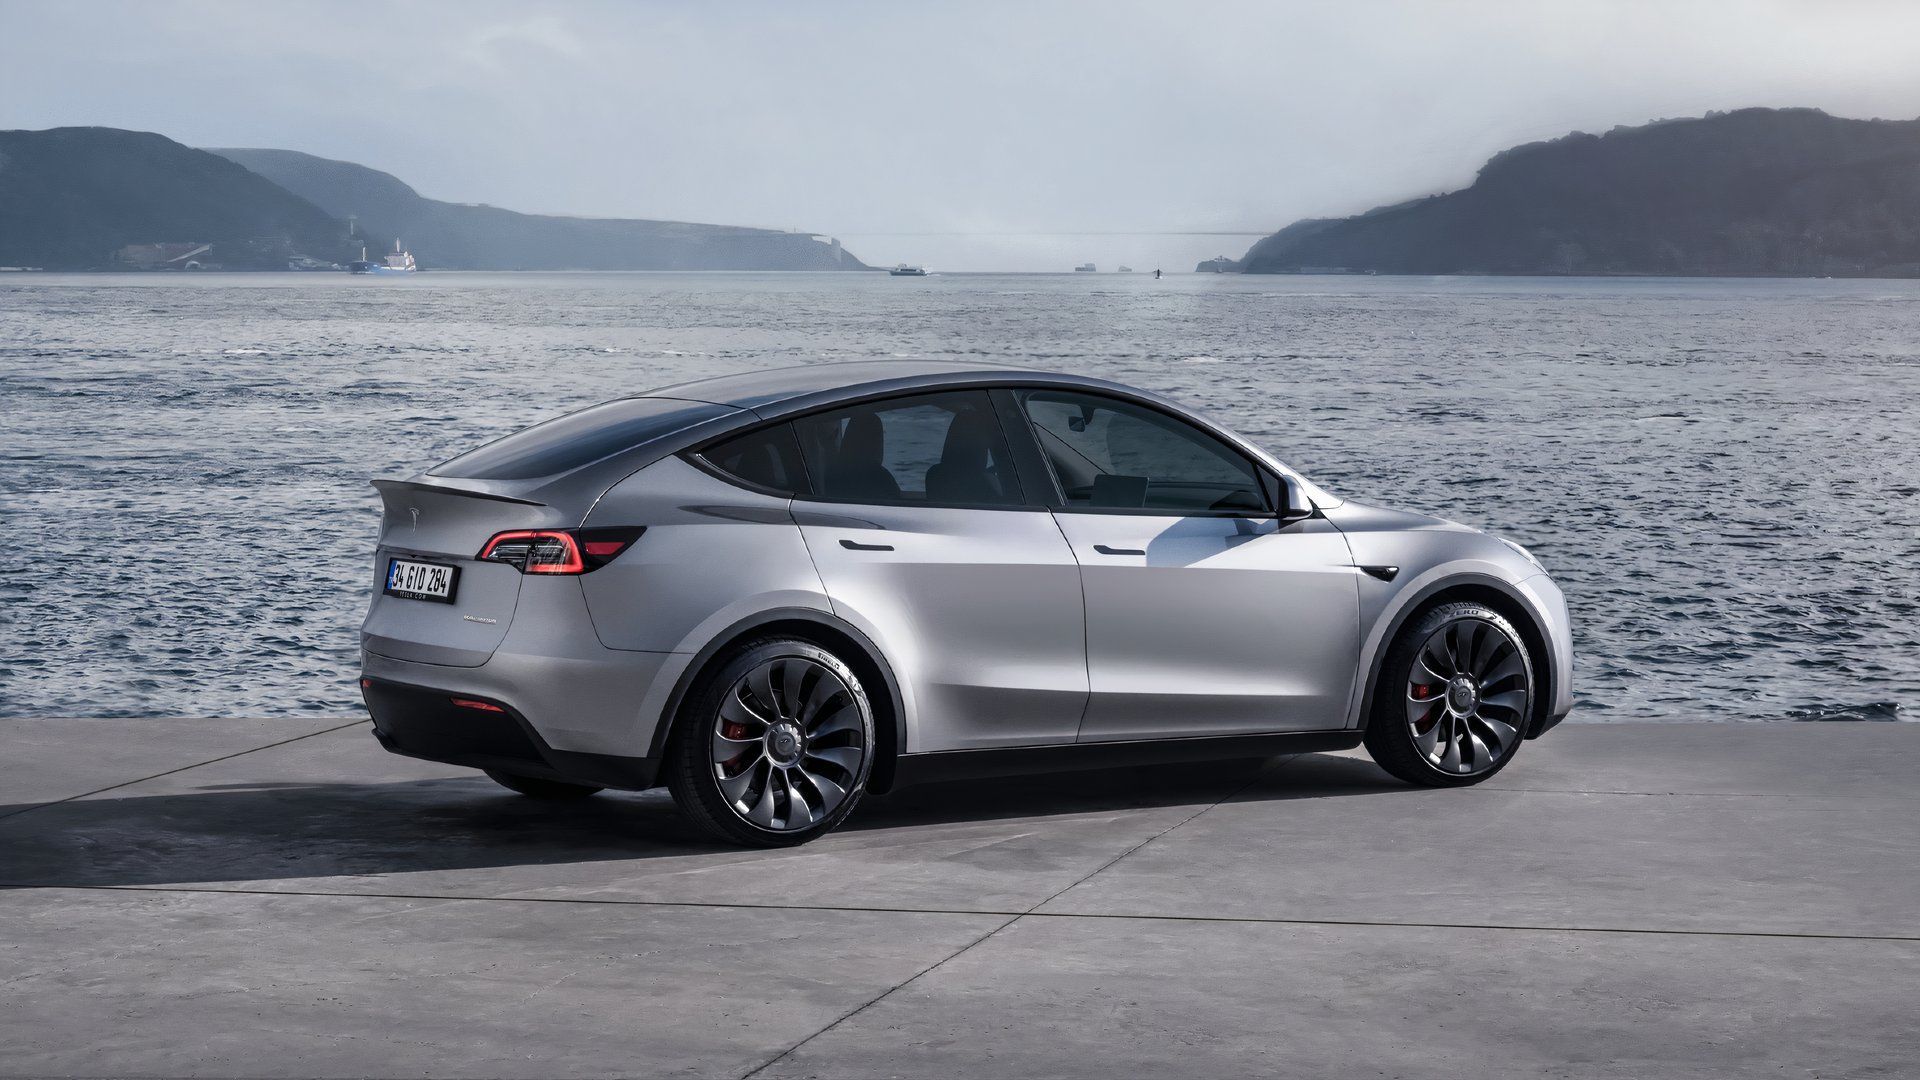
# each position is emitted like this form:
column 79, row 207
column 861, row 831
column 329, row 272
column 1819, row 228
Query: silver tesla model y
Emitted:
column 778, row 591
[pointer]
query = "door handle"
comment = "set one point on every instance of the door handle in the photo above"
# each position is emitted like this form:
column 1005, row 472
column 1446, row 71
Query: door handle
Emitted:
column 855, row 545
column 1105, row 550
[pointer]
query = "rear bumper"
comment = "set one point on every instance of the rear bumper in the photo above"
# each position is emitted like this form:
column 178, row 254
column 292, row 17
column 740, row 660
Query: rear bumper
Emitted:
column 424, row 722
column 576, row 693
column 609, row 703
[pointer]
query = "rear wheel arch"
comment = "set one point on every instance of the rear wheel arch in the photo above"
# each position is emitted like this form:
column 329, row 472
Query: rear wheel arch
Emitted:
column 1481, row 590
column 829, row 632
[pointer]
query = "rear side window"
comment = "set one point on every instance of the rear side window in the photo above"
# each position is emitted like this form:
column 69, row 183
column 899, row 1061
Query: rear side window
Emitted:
column 768, row 458
column 928, row 449
column 579, row 438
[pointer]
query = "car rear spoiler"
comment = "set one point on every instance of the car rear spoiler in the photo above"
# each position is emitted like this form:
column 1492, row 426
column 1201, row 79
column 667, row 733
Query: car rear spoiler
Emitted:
column 386, row 484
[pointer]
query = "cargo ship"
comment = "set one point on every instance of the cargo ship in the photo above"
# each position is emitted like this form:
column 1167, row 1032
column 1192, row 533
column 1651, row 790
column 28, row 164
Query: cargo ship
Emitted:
column 399, row 262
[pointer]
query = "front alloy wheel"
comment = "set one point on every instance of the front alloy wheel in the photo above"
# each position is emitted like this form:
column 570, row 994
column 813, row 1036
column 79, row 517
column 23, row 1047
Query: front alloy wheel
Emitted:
column 777, row 747
column 1454, row 698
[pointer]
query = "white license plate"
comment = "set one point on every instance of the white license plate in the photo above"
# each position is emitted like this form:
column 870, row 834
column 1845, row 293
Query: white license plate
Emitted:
column 421, row 580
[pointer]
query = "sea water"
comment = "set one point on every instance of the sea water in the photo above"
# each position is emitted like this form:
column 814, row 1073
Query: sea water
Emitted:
column 1724, row 476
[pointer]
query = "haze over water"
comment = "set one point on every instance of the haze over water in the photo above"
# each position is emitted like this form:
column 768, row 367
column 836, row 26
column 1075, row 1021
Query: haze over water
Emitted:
column 1721, row 474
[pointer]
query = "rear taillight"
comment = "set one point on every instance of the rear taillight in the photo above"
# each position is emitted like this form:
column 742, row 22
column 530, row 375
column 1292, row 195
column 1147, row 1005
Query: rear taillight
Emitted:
column 536, row 552
column 558, row 551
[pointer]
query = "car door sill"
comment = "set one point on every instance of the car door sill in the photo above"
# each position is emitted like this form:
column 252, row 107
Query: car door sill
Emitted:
column 1068, row 757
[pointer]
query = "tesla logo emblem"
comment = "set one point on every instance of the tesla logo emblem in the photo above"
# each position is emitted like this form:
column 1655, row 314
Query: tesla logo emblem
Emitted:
column 415, row 511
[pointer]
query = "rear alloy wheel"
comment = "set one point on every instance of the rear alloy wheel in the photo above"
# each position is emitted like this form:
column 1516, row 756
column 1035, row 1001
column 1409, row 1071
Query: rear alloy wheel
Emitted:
column 775, row 748
column 1454, row 698
column 535, row 787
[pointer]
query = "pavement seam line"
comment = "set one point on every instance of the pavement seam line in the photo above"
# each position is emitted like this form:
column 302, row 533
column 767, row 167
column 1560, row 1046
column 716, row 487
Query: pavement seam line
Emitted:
column 875, row 1000
column 789, row 1051
column 1693, row 794
column 181, row 769
column 1216, row 804
column 1232, row 920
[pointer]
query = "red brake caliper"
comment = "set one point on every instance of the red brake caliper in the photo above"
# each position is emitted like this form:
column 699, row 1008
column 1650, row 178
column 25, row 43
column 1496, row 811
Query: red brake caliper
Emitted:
column 733, row 730
column 1425, row 724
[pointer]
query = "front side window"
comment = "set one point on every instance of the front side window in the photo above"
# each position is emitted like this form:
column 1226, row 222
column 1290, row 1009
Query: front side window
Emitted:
column 938, row 449
column 1114, row 455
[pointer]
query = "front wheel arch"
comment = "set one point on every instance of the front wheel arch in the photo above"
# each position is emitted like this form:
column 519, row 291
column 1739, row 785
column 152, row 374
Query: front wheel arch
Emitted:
column 1478, row 590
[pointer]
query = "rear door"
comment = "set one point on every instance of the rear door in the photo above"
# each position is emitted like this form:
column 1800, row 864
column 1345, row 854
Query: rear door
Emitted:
column 1204, row 614
column 923, row 536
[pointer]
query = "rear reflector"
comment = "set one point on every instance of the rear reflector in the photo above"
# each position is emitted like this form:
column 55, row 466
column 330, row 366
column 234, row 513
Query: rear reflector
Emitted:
column 483, row 706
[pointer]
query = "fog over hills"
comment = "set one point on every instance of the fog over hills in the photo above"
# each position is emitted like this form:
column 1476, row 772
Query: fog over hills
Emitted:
column 466, row 237
column 1750, row 192
column 71, row 198
column 91, row 198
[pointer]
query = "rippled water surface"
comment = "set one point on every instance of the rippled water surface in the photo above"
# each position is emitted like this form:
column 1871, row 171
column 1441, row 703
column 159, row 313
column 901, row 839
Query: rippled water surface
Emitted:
column 1722, row 475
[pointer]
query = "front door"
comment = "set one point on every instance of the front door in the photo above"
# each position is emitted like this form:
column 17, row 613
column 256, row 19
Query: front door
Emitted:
column 1204, row 614
column 923, row 537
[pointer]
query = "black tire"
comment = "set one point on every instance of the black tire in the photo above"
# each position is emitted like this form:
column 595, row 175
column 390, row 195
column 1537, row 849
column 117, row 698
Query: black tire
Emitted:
column 694, row 775
column 1397, row 712
column 535, row 787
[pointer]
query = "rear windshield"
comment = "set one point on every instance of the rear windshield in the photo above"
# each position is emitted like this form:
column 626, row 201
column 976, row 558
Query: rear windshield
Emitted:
column 578, row 439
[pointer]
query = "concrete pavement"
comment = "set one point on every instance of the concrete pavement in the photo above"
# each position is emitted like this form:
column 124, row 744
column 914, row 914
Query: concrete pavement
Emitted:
column 281, row 898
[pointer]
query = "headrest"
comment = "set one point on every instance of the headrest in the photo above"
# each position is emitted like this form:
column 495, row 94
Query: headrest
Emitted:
column 865, row 440
column 969, row 439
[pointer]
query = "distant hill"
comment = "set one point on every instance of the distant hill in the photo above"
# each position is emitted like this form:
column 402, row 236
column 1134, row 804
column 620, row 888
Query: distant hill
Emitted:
column 1752, row 192
column 464, row 237
column 71, row 198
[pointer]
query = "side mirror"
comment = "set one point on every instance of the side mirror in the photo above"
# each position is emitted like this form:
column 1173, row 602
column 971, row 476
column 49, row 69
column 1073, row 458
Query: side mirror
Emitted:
column 1290, row 502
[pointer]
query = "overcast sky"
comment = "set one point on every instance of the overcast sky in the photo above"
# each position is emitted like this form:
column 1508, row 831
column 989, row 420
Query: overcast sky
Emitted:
column 1001, row 121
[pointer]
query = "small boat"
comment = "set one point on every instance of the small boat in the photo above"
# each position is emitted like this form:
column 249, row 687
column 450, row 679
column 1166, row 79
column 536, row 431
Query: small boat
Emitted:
column 903, row 270
column 1084, row 268
column 399, row 262
column 1126, row 269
